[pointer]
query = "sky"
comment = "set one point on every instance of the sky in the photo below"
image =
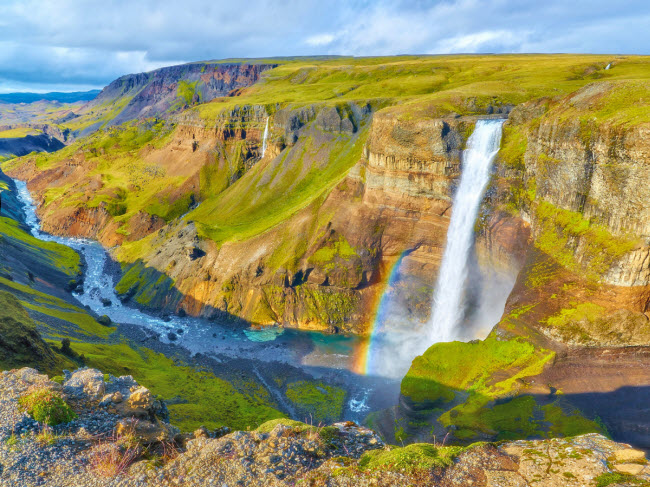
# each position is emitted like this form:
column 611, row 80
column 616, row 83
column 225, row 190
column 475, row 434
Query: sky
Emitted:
column 73, row 45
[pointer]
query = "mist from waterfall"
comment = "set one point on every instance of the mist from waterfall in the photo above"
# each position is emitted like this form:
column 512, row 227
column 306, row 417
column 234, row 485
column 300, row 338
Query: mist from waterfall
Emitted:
column 448, row 302
column 266, row 134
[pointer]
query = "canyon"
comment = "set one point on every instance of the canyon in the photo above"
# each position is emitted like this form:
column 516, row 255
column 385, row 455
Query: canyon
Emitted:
column 350, row 202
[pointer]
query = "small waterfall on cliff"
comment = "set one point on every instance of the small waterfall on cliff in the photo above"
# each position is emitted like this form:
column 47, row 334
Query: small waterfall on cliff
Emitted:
column 266, row 134
column 447, row 313
column 608, row 66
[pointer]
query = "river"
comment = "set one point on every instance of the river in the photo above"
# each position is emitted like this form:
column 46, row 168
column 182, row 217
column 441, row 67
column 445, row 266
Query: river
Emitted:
column 317, row 355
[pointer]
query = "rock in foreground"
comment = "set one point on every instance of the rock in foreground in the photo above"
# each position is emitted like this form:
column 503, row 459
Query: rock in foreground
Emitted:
column 121, row 437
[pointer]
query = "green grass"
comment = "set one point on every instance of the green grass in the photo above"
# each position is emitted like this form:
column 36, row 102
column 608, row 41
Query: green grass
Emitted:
column 429, row 85
column 411, row 458
column 195, row 397
column 18, row 132
column 276, row 189
column 456, row 366
column 48, row 253
column 317, row 401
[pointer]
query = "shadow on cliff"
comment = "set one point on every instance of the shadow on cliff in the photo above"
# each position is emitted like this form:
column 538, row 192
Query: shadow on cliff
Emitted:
column 622, row 414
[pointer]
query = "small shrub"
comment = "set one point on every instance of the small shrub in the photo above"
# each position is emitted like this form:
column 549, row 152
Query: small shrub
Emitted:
column 114, row 456
column 109, row 459
column 48, row 407
column 46, row 436
column 617, row 478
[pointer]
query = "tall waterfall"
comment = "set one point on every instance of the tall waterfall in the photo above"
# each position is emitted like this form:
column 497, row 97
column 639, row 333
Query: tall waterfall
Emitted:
column 482, row 147
column 266, row 134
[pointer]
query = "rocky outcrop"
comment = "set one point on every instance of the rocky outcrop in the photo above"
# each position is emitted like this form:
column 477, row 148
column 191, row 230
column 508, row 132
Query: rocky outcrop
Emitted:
column 155, row 93
column 96, row 448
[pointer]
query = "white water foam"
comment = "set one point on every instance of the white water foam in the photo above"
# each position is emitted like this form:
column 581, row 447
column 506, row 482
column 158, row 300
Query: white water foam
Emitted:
column 448, row 302
column 266, row 134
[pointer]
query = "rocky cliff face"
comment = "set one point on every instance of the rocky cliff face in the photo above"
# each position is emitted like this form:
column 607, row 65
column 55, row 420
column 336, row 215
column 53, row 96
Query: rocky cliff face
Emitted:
column 326, row 265
column 581, row 298
column 157, row 92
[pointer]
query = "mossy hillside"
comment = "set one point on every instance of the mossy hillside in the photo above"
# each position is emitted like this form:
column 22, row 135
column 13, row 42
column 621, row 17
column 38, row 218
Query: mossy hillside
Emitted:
column 559, row 231
column 477, row 390
column 194, row 397
column 517, row 418
column 146, row 286
column 18, row 132
column 116, row 158
column 429, row 85
column 276, row 189
column 316, row 401
column 446, row 368
column 20, row 343
column 617, row 102
column 71, row 320
column 39, row 253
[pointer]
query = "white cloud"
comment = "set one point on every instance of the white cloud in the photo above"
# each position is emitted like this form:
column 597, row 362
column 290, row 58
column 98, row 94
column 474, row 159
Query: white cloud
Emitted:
column 91, row 42
column 319, row 40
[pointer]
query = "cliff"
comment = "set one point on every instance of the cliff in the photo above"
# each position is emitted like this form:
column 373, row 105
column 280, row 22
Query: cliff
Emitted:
column 571, row 168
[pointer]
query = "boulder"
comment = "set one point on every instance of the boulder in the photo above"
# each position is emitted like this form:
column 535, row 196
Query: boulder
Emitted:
column 85, row 384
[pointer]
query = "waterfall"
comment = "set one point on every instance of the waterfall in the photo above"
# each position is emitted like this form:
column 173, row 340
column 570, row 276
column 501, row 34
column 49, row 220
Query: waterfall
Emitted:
column 447, row 313
column 608, row 66
column 266, row 134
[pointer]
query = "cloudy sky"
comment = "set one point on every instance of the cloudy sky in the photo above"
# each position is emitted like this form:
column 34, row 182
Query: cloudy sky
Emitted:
column 64, row 45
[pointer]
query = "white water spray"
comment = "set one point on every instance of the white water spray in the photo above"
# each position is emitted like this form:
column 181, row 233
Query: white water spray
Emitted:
column 608, row 66
column 266, row 134
column 482, row 147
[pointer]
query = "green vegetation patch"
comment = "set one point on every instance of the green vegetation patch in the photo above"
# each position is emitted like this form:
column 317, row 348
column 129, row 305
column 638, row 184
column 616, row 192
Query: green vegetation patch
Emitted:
column 194, row 397
column 411, row 458
column 48, row 407
column 615, row 478
column 581, row 312
column 322, row 403
column 559, row 230
column 51, row 254
column 20, row 343
column 446, row 368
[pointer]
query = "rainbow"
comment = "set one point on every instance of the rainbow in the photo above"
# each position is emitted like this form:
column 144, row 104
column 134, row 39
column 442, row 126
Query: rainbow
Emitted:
column 364, row 354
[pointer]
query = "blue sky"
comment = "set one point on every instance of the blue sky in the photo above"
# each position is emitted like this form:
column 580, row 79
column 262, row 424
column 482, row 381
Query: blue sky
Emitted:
column 66, row 45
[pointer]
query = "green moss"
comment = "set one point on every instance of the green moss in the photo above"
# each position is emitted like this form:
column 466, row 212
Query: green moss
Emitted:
column 613, row 478
column 558, row 229
column 581, row 312
column 315, row 400
column 449, row 367
column 47, row 406
column 411, row 458
column 192, row 393
column 268, row 426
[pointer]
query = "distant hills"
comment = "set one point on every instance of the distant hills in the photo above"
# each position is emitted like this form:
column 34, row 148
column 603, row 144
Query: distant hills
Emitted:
column 71, row 97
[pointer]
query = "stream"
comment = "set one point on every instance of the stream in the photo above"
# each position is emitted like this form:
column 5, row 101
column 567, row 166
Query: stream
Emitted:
column 319, row 355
